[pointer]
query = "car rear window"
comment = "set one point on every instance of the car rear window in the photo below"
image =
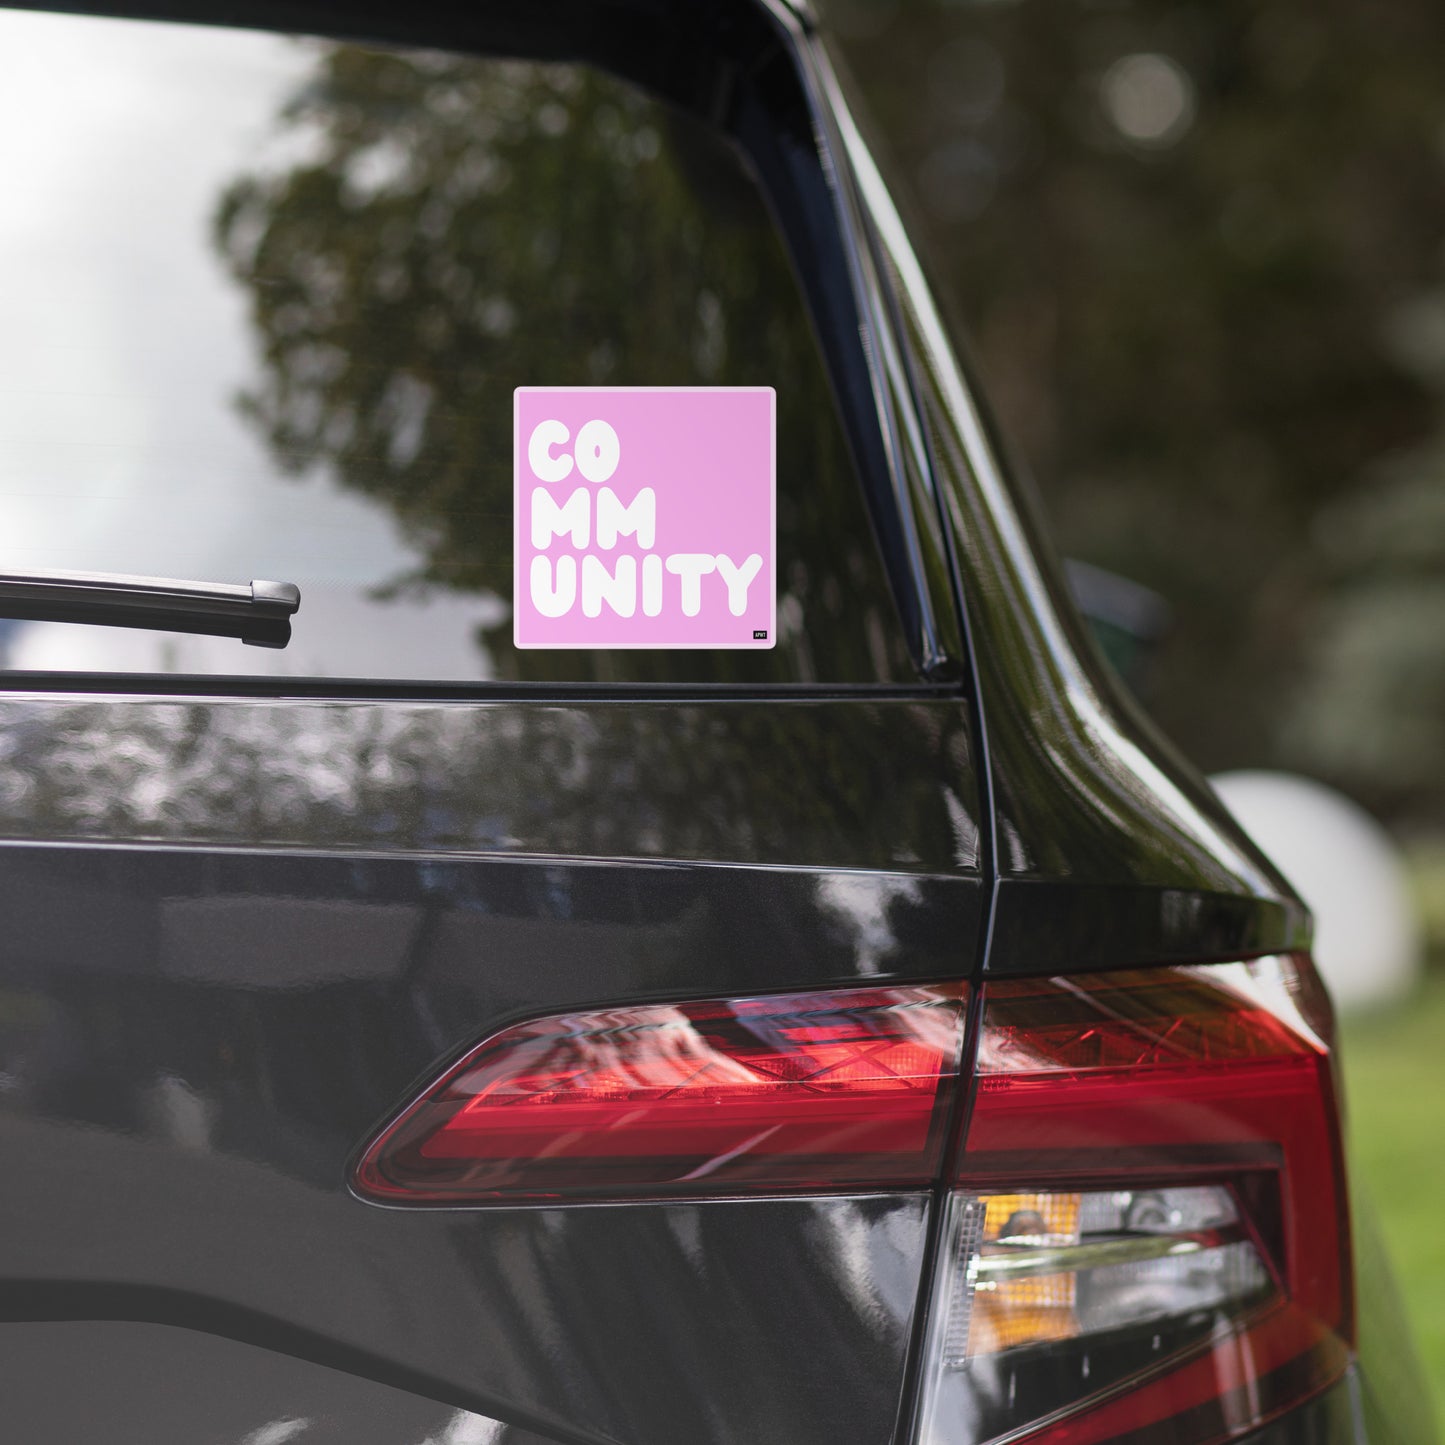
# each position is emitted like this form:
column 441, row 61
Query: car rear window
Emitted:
column 266, row 301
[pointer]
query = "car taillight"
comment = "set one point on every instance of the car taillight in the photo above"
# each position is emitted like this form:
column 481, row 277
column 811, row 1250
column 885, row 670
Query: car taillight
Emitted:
column 1144, row 1235
column 843, row 1089
column 1148, row 1238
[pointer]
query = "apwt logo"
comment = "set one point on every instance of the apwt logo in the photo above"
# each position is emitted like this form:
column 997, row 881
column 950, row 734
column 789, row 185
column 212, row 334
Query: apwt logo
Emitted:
column 644, row 517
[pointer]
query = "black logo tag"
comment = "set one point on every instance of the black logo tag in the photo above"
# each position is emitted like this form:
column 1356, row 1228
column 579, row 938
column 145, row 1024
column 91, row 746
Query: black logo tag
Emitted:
column 760, row 634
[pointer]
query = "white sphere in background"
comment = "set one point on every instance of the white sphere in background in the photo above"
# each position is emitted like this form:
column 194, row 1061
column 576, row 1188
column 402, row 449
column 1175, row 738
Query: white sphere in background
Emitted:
column 1349, row 871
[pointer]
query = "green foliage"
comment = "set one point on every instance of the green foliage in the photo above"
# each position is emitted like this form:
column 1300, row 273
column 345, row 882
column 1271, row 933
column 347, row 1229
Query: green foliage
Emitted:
column 1426, row 863
column 1373, row 707
column 1395, row 1112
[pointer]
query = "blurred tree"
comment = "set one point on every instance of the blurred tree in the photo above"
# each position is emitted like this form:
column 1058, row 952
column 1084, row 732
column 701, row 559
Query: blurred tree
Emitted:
column 447, row 228
column 1198, row 250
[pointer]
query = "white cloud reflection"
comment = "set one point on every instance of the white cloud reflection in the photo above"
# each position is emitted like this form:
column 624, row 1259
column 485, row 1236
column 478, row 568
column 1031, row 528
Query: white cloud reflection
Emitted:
column 124, row 345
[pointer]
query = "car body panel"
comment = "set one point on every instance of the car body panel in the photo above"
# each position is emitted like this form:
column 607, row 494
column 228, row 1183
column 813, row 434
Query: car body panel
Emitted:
column 1102, row 834
column 242, row 930
column 863, row 782
column 594, row 1324
column 202, row 1024
column 234, row 1392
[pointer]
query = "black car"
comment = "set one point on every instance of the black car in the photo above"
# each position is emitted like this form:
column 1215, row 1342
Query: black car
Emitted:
column 856, row 1027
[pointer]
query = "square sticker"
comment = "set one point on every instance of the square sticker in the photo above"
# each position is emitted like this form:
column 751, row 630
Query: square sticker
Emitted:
column 644, row 516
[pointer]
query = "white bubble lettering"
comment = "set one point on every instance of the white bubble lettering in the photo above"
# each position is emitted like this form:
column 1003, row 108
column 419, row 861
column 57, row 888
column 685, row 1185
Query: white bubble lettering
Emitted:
column 618, row 590
column 652, row 585
column 545, row 436
column 692, row 567
column 549, row 599
column 637, row 519
column 549, row 520
column 737, row 580
column 598, row 451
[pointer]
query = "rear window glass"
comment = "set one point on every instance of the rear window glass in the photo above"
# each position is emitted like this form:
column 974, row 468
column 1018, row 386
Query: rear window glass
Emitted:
column 266, row 301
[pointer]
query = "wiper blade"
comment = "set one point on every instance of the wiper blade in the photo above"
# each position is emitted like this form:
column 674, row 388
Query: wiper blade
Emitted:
column 258, row 613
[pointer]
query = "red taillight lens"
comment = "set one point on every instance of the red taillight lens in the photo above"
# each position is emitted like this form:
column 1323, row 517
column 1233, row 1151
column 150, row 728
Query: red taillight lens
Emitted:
column 1145, row 1237
column 823, row 1091
column 1151, row 1221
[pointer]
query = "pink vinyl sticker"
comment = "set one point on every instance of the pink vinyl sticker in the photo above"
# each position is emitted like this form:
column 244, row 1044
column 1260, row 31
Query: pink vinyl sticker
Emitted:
column 644, row 516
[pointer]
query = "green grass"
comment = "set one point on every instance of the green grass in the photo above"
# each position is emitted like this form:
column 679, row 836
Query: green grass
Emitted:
column 1394, row 1064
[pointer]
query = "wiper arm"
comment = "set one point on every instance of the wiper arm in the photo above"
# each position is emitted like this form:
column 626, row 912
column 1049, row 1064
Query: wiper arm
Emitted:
column 258, row 613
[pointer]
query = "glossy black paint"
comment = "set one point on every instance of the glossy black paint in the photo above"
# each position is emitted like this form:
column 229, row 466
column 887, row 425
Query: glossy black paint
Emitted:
column 870, row 782
column 203, row 1033
column 234, row 1391
column 239, row 931
column 238, row 1389
column 489, row 1312
column 1109, row 848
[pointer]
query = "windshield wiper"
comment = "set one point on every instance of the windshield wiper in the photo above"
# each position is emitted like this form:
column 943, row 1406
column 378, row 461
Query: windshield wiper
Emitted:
column 258, row 612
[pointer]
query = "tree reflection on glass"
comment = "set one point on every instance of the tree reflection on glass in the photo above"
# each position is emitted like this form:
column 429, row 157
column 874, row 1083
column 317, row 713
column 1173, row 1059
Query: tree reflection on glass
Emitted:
column 455, row 228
